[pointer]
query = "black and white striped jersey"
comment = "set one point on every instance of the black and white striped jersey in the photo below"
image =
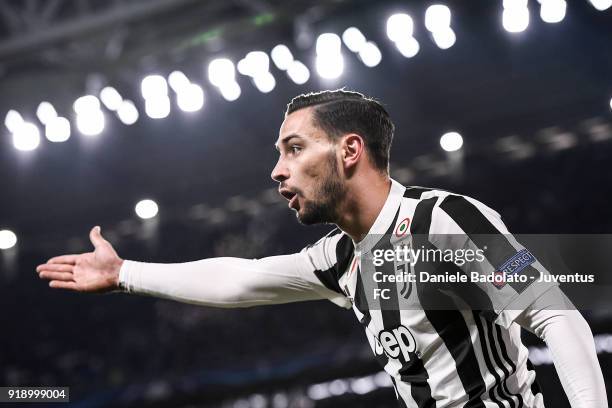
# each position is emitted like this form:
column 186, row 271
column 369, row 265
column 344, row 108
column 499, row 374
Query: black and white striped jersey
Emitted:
column 458, row 357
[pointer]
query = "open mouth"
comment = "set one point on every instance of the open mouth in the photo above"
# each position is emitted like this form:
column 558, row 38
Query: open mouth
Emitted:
column 289, row 196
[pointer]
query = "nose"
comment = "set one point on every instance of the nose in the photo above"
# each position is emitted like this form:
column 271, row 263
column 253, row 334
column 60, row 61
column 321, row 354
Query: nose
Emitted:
column 280, row 172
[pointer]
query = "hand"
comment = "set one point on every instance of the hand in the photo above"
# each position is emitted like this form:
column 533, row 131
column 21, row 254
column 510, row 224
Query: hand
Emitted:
column 95, row 272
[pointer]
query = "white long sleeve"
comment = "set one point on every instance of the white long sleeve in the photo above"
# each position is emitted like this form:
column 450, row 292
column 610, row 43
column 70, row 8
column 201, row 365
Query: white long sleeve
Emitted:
column 570, row 341
column 231, row 282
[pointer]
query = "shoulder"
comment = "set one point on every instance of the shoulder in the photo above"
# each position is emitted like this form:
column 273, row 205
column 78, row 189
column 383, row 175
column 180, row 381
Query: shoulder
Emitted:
column 440, row 208
column 327, row 251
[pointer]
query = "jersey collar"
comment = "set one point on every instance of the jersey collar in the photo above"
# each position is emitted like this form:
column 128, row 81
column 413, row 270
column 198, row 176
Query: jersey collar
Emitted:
column 384, row 219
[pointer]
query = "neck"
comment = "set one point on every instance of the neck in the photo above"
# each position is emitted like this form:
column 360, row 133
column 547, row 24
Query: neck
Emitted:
column 365, row 199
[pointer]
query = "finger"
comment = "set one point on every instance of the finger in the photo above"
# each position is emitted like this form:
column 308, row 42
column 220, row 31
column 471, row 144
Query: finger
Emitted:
column 63, row 285
column 95, row 236
column 55, row 268
column 64, row 259
column 60, row 276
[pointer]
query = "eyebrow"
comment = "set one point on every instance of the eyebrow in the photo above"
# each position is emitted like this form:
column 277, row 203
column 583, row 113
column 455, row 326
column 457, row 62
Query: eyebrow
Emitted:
column 286, row 140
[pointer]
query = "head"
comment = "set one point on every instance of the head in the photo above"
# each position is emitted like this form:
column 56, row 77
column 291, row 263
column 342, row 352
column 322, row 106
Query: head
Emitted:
column 326, row 139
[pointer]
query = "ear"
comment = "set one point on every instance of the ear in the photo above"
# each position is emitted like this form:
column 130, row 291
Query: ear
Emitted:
column 353, row 148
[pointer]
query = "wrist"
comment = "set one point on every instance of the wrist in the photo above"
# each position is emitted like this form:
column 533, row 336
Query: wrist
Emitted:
column 117, row 285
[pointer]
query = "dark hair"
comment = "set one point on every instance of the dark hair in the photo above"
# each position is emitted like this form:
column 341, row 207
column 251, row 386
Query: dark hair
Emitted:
column 340, row 112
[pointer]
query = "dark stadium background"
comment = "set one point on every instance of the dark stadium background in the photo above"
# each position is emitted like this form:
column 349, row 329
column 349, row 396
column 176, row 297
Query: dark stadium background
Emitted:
column 209, row 173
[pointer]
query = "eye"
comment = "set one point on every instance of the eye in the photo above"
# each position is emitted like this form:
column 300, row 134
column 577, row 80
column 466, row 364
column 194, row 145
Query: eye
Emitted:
column 296, row 149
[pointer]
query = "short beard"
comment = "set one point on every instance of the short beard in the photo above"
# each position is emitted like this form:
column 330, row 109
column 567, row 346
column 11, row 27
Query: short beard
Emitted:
column 327, row 197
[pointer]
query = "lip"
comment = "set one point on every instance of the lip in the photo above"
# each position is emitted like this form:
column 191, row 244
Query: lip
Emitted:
column 292, row 202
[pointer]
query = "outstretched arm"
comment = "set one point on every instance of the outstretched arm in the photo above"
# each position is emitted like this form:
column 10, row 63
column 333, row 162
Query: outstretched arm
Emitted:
column 221, row 282
column 570, row 341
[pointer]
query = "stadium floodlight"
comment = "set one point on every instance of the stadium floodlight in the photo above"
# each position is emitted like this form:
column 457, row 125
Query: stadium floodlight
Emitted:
column 437, row 18
column 26, row 137
column 8, row 239
column 516, row 20
column 328, row 44
column 178, row 81
column 255, row 63
column 146, row 209
column 221, row 71
column 230, row 91
column 57, row 130
column 13, row 120
column 86, row 104
column 353, row 39
column 552, row 11
column 515, row 17
column 408, row 47
column 264, row 81
column 400, row 27
column 127, row 112
column 601, row 5
column 451, row 141
column 45, row 112
column 330, row 66
column 157, row 108
column 190, row 98
column 282, row 57
column 110, row 98
column 444, row 39
column 363, row 385
column 370, row 54
column 298, row 72
column 154, row 86
column 90, row 123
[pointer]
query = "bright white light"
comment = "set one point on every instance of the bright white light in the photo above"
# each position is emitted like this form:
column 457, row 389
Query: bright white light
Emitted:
column 330, row 67
column 127, row 112
column 86, row 104
column 230, row 91
column 45, row 112
column 221, row 71
column 298, row 72
column 146, row 209
column 157, row 108
column 601, row 5
column 154, row 86
column 282, row 57
column 399, row 27
column 57, row 130
column 178, row 81
column 515, row 20
column 111, row 98
column 408, row 47
column 265, row 82
column 353, row 39
column 451, row 141
column 328, row 44
column 444, row 38
column 610, row 103
column 90, row 123
column 190, row 98
column 8, row 239
column 255, row 63
column 552, row 11
column 437, row 17
column 26, row 137
column 13, row 120
column 370, row 54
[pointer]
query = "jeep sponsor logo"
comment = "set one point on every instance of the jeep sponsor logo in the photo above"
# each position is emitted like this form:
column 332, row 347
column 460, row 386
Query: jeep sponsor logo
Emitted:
column 394, row 343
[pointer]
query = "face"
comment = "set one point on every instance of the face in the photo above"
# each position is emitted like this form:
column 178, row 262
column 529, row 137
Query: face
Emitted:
column 307, row 170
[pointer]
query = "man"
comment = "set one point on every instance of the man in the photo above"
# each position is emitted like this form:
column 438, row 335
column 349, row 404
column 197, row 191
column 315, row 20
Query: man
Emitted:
column 333, row 168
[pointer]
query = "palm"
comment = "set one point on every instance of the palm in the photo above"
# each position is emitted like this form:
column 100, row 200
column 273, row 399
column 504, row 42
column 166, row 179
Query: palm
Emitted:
column 96, row 271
